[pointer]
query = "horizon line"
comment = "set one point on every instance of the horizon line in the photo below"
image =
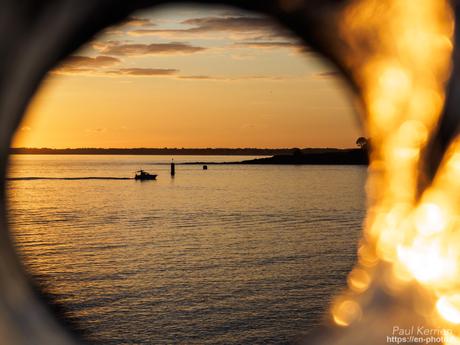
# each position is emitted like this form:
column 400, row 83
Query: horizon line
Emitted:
column 176, row 148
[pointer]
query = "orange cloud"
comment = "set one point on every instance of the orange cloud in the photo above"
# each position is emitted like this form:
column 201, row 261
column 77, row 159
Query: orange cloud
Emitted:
column 274, row 45
column 139, row 22
column 78, row 64
column 135, row 49
column 237, row 78
column 97, row 66
column 327, row 74
column 143, row 72
column 247, row 27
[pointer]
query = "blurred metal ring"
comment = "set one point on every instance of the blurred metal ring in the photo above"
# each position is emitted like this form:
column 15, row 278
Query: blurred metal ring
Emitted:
column 34, row 37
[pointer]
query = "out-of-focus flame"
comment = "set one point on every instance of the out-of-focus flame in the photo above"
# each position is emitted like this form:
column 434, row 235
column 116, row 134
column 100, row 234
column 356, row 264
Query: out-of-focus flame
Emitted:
column 400, row 56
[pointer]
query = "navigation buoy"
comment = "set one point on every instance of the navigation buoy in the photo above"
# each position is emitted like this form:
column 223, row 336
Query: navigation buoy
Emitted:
column 173, row 168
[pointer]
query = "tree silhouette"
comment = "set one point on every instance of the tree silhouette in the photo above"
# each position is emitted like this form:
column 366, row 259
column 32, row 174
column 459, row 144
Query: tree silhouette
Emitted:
column 362, row 142
column 296, row 152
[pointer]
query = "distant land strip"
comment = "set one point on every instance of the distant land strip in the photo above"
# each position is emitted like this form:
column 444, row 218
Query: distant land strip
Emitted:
column 342, row 157
column 299, row 157
column 67, row 178
column 169, row 151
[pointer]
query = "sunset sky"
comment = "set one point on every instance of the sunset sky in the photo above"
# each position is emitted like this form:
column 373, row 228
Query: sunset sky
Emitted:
column 191, row 77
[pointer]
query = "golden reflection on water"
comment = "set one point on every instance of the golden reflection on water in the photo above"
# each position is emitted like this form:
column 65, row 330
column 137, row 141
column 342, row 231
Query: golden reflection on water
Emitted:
column 209, row 257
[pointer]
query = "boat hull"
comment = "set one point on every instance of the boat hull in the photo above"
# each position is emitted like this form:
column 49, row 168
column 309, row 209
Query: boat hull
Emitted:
column 146, row 178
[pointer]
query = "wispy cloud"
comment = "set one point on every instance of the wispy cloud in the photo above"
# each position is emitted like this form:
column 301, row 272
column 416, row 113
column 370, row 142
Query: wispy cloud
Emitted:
column 197, row 77
column 296, row 46
column 79, row 64
column 129, row 24
column 100, row 66
column 269, row 45
column 143, row 72
column 136, row 49
column 327, row 75
column 138, row 22
column 236, row 78
column 246, row 27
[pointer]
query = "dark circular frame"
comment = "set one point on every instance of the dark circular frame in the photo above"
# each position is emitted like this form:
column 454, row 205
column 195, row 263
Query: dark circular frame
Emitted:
column 36, row 35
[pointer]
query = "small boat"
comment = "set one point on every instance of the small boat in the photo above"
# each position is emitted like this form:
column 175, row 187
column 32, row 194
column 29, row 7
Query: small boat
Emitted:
column 143, row 176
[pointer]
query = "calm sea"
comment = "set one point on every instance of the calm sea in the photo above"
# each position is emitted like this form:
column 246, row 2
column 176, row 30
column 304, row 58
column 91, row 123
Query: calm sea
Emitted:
column 235, row 254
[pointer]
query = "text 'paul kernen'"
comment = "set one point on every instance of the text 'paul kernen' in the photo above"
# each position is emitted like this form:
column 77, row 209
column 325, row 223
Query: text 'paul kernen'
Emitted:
column 421, row 331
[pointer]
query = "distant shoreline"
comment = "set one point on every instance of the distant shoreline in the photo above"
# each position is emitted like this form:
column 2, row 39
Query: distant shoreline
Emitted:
column 339, row 157
column 172, row 151
column 308, row 156
column 343, row 157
